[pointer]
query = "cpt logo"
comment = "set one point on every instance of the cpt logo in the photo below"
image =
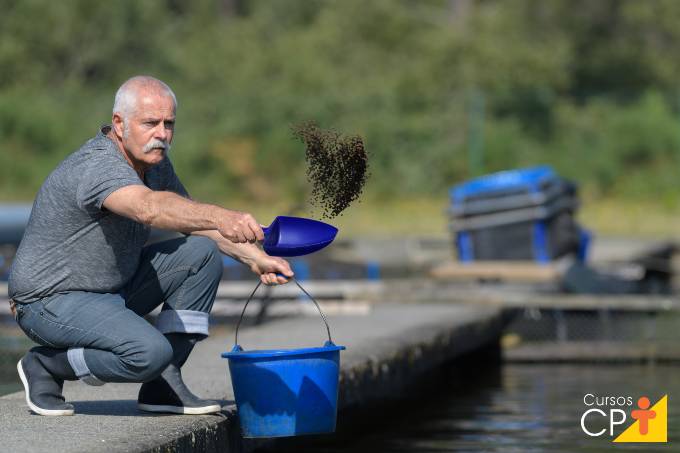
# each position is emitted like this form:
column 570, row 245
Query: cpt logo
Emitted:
column 649, row 424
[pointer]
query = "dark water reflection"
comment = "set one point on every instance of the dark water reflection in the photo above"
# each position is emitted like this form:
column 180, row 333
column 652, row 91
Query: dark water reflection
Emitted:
column 508, row 408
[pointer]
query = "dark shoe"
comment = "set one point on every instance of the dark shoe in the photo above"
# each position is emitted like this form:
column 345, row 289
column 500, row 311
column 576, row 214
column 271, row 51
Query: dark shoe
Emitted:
column 168, row 393
column 43, row 389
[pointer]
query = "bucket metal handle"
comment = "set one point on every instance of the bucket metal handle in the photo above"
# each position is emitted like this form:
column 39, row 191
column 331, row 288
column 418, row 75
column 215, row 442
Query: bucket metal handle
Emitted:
column 237, row 347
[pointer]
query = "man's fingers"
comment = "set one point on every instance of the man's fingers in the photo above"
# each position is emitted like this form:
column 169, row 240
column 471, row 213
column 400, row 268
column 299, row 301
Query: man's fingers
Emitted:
column 283, row 267
column 272, row 279
column 249, row 235
column 257, row 230
column 275, row 271
column 279, row 279
column 252, row 229
column 241, row 227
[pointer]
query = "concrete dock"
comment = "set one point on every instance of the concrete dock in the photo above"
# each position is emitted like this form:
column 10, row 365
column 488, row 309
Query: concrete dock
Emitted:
column 387, row 349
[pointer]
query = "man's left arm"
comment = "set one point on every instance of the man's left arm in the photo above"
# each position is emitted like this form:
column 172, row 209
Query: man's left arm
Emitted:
column 271, row 269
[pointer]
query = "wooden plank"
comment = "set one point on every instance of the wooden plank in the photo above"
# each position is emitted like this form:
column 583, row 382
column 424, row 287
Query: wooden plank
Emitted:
column 528, row 271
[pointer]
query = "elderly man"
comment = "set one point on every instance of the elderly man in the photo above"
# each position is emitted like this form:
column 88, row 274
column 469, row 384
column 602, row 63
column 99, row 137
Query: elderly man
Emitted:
column 83, row 278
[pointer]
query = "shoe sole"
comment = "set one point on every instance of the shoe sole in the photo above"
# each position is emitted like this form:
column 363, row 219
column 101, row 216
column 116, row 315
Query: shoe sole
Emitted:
column 32, row 406
column 213, row 408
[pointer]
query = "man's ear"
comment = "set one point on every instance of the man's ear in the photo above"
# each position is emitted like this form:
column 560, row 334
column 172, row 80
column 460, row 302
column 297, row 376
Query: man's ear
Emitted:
column 118, row 124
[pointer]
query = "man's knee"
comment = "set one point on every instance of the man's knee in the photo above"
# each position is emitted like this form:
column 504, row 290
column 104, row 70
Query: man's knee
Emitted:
column 209, row 258
column 149, row 358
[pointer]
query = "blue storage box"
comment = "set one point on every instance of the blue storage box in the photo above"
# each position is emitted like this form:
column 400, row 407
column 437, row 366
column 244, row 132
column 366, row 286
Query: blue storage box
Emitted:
column 523, row 214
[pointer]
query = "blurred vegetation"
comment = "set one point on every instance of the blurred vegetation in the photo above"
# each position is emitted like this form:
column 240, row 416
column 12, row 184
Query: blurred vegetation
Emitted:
column 589, row 87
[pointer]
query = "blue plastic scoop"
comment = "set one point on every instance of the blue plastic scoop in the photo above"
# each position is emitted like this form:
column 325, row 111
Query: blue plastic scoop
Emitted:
column 296, row 236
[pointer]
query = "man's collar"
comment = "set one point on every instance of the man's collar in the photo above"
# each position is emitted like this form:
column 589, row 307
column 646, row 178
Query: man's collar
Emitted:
column 104, row 129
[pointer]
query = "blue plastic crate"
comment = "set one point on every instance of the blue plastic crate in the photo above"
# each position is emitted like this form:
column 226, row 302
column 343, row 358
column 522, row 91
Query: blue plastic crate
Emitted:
column 529, row 179
column 516, row 215
column 540, row 244
column 511, row 188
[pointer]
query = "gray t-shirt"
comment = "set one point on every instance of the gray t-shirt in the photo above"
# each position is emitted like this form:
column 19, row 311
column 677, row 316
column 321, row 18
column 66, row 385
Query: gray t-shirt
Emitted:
column 71, row 242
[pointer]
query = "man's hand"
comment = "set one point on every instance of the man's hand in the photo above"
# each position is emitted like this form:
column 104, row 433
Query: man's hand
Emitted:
column 267, row 267
column 271, row 269
column 239, row 227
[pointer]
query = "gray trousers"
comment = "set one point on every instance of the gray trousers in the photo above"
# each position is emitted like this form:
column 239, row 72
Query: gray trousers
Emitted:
column 107, row 338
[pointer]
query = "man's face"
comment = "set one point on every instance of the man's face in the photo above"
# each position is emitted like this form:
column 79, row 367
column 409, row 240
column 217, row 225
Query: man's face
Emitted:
column 147, row 132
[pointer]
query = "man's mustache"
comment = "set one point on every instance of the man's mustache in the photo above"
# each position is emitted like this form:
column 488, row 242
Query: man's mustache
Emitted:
column 156, row 144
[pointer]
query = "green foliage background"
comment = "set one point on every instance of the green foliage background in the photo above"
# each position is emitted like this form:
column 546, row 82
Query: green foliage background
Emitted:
column 587, row 86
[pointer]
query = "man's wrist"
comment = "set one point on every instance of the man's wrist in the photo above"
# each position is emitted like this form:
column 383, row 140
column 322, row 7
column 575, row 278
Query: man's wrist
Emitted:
column 248, row 254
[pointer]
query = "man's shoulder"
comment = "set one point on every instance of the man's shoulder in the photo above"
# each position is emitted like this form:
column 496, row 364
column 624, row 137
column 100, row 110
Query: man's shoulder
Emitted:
column 96, row 152
column 97, row 155
column 99, row 144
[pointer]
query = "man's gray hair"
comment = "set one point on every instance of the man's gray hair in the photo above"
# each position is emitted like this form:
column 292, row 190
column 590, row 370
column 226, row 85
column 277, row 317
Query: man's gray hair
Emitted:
column 126, row 96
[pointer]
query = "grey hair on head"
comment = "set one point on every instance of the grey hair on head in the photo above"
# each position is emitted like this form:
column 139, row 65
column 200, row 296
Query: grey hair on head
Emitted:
column 126, row 96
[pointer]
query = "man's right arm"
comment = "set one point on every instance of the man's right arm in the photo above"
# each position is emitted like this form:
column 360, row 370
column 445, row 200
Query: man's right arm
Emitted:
column 169, row 211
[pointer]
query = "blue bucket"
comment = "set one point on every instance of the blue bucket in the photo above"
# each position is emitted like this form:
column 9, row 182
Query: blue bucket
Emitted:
column 285, row 392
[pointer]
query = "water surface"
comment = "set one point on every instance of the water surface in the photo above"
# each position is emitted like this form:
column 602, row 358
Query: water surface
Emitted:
column 509, row 408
